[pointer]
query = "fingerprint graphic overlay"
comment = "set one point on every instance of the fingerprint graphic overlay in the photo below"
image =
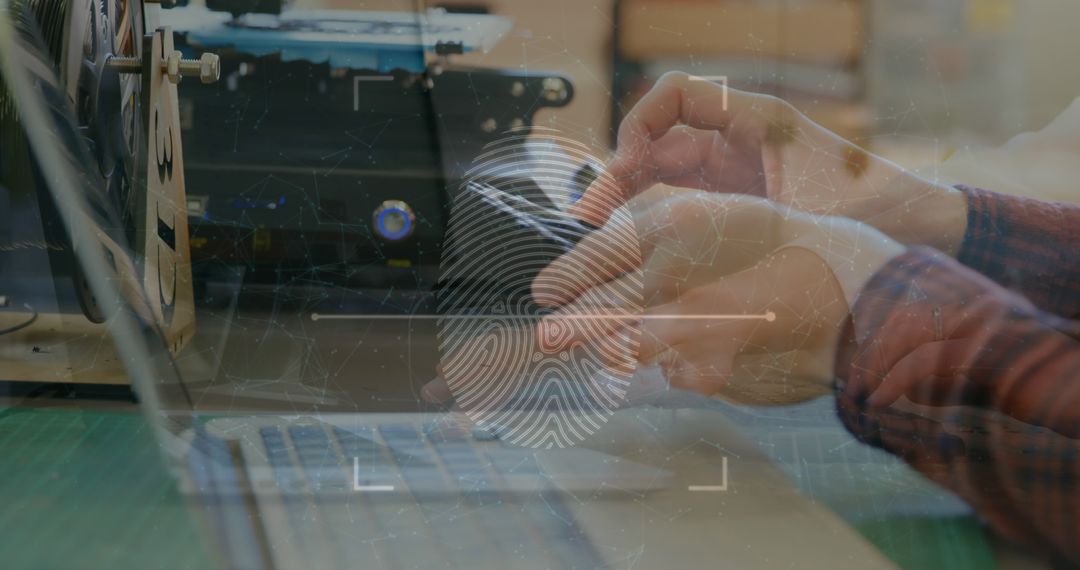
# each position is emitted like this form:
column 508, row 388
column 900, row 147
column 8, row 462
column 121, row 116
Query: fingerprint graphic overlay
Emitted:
column 505, row 226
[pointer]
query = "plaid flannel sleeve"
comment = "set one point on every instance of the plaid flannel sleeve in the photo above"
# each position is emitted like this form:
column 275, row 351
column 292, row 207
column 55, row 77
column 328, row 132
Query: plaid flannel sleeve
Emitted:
column 1029, row 246
column 974, row 386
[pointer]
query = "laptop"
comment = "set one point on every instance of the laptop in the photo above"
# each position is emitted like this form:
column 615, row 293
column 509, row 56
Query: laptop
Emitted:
column 348, row 467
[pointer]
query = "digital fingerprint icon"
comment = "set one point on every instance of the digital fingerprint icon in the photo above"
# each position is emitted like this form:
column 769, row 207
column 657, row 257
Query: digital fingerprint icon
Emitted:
column 506, row 224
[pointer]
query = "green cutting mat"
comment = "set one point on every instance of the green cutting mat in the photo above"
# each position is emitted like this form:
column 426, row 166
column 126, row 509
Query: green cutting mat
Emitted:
column 87, row 490
column 953, row 543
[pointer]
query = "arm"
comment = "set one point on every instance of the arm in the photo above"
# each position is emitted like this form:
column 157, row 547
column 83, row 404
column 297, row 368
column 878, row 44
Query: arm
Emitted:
column 1029, row 246
column 973, row 386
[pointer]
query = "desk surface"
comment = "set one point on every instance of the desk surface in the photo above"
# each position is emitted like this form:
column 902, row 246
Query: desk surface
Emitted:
column 84, row 489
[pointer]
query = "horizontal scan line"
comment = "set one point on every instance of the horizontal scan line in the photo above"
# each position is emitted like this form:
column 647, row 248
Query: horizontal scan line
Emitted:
column 769, row 317
column 373, row 488
column 356, row 486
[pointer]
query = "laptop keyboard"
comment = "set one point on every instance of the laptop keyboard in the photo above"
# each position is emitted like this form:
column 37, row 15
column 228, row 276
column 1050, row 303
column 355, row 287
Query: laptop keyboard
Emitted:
column 418, row 498
column 332, row 458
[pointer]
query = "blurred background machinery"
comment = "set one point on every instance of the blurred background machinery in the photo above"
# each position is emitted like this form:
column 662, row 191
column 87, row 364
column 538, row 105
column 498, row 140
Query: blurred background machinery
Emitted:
column 329, row 151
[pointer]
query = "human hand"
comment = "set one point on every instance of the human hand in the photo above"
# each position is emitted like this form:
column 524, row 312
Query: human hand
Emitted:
column 682, row 134
column 495, row 367
column 743, row 297
column 485, row 363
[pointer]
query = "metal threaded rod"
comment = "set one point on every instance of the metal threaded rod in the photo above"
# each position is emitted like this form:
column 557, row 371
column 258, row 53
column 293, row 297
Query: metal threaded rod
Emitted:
column 207, row 67
column 124, row 64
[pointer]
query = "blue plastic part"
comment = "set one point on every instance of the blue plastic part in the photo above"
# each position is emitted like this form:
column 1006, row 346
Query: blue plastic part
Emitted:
column 405, row 230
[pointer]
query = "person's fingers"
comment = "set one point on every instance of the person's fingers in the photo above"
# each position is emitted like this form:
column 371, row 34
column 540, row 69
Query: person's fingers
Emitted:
column 670, row 229
column 751, row 379
column 683, row 99
column 663, row 327
column 741, row 309
column 686, row 240
column 605, row 193
column 650, row 222
column 485, row 373
column 677, row 158
column 778, row 378
column 603, row 255
column 735, row 313
column 698, row 367
column 676, row 99
column 924, row 363
column 682, row 375
column 563, row 330
column 598, row 313
column 436, row 391
column 710, row 368
column 687, row 321
column 683, row 158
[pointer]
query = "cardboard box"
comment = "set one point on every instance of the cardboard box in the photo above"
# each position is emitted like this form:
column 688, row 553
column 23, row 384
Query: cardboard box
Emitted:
column 818, row 31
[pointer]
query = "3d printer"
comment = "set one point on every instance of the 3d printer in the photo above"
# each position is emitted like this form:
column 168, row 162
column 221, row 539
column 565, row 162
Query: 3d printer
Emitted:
column 109, row 76
column 330, row 149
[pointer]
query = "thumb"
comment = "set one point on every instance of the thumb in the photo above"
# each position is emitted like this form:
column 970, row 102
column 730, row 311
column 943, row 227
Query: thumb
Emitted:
column 622, row 179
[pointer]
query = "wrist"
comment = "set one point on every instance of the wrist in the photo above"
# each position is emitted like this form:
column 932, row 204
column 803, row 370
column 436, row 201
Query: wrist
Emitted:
column 915, row 211
column 853, row 252
column 868, row 188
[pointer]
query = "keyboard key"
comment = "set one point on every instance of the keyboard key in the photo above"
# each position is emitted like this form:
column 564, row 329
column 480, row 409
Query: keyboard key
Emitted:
column 399, row 432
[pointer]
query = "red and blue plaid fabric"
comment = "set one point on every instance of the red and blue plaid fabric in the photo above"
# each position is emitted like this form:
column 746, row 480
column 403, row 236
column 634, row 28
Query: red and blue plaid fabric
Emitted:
column 1029, row 246
column 972, row 374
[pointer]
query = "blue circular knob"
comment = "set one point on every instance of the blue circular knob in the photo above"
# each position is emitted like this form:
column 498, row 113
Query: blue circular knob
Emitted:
column 394, row 220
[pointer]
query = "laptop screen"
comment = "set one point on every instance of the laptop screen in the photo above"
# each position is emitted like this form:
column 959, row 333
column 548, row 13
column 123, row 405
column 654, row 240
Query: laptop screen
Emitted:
column 262, row 272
